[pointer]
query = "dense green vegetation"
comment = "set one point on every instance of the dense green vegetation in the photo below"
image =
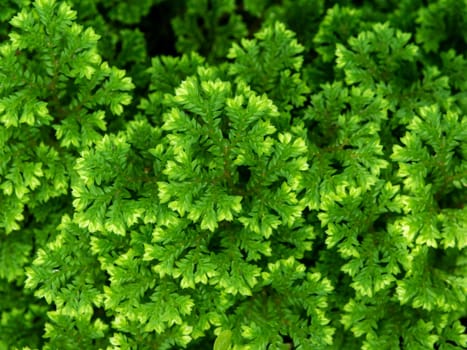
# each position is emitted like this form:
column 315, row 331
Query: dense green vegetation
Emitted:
column 221, row 174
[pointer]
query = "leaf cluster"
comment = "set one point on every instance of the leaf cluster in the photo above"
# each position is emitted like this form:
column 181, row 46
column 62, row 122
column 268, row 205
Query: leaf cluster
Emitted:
column 282, row 175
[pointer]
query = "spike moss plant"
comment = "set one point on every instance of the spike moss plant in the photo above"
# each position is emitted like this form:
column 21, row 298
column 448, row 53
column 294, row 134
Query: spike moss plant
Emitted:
column 233, row 175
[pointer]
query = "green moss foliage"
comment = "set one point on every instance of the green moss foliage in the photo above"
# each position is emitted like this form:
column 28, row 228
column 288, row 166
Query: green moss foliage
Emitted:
column 233, row 175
